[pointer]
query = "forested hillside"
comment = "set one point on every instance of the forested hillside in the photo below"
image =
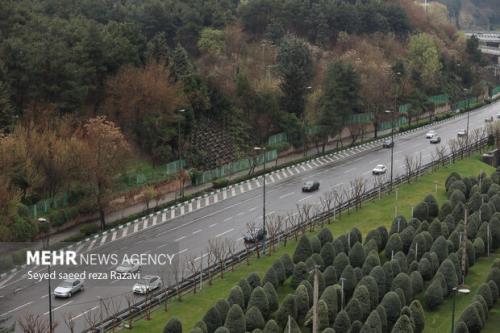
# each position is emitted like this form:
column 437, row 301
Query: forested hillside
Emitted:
column 474, row 14
column 138, row 79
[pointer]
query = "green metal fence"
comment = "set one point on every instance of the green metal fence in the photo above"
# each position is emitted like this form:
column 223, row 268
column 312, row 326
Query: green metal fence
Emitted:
column 495, row 91
column 232, row 168
column 467, row 103
column 43, row 206
column 277, row 138
column 360, row 118
column 439, row 100
column 403, row 108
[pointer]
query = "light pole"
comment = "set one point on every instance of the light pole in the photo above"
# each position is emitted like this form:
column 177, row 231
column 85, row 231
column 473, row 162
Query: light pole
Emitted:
column 468, row 116
column 179, row 151
column 342, row 294
column 462, row 290
column 263, row 199
column 304, row 140
column 392, row 143
column 44, row 222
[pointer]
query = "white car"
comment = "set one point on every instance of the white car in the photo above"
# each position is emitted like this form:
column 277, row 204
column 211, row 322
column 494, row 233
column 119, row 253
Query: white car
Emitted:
column 379, row 169
column 147, row 284
column 430, row 134
column 462, row 132
column 128, row 267
column 69, row 287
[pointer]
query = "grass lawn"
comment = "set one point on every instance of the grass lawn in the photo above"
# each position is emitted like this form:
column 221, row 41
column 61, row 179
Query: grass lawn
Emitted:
column 373, row 214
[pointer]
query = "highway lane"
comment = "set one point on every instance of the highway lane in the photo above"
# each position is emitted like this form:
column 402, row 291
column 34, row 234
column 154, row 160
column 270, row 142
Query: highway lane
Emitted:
column 187, row 236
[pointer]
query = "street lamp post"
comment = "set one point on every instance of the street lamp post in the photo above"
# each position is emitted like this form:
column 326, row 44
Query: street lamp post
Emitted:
column 304, row 138
column 392, row 143
column 263, row 199
column 462, row 290
column 45, row 222
column 179, row 151
column 468, row 116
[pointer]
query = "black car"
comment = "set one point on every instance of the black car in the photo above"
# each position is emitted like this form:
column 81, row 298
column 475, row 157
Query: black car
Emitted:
column 310, row 186
column 388, row 144
column 253, row 237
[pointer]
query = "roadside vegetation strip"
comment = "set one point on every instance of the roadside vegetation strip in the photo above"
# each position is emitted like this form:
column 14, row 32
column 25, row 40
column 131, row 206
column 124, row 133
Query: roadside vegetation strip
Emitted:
column 373, row 214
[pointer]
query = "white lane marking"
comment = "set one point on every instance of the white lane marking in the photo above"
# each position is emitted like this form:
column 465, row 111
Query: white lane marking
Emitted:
column 44, row 296
column 302, row 167
column 374, row 161
column 297, row 170
column 252, row 209
column 278, row 175
column 60, row 306
column 225, row 232
column 365, row 173
column 182, row 251
column 350, row 170
column 15, row 309
column 84, row 313
column 286, row 195
column 305, row 198
column 290, row 171
column 239, row 239
column 213, row 225
column 113, row 237
column 272, row 178
column 197, row 231
column 161, row 246
column 240, row 214
column 179, row 239
column 314, row 162
column 91, row 245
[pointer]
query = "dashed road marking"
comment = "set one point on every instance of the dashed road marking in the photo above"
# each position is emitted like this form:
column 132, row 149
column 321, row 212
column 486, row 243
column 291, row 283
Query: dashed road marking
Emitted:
column 225, row 232
column 179, row 239
column 304, row 198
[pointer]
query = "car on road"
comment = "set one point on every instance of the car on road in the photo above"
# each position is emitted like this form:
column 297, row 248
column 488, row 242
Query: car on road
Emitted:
column 430, row 134
column 147, row 284
column 380, row 169
column 68, row 287
column 387, row 144
column 461, row 132
column 435, row 139
column 498, row 115
column 128, row 267
column 310, row 186
column 488, row 120
column 255, row 236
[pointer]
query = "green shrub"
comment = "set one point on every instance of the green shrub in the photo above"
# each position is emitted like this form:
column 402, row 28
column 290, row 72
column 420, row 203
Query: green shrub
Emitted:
column 407, row 236
column 435, row 229
column 417, row 282
column 213, row 319
column 403, row 325
column 303, row 250
column 421, row 211
column 253, row 280
column 384, row 235
column 236, row 296
column 342, row 322
column 494, row 290
column 357, row 255
column 434, row 295
column 392, row 307
column 223, row 307
column 372, row 323
column 460, row 327
column 350, row 280
column 202, row 326
column 321, row 281
column 394, row 244
column 287, row 308
column 220, row 183
column 417, row 316
column 339, row 245
column 271, row 327
column 279, row 269
column 449, row 272
column 375, row 235
column 372, row 287
column 383, row 317
column 387, row 267
column 371, row 261
column 327, row 254
column 315, row 244
column 470, row 316
column 302, row 302
column 402, row 280
column 173, row 326
column 485, row 291
column 330, row 276
column 362, row 295
column 446, row 209
column 401, row 295
column 474, row 202
column 292, row 326
column 370, row 246
column 458, row 185
column 340, row 262
column 325, row 236
column 271, row 277
column 258, row 298
column 456, row 198
column 495, row 231
column 451, row 178
column 355, row 236
column 272, row 297
column 399, row 223
column 310, row 290
column 329, row 296
column 323, row 319
column 254, row 319
column 356, row 326
column 378, row 274
column 432, row 205
column 288, row 264
column 235, row 320
column 300, row 273
column 479, row 247
column 318, row 261
column 401, row 260
column 89, row 229
column 221, row 329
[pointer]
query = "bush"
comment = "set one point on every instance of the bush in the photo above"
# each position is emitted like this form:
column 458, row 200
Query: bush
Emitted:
column 394, row 244
column 323, row 319
column 460, row 327
column 271, row 277
column 421, row 211
column 279, row 269
column 383, row 317
column 455, row 240
column 340, row 262
column 355, row 235
column 246, row 289
column 350, row 280
column 392, row 307
column 201, row 326
column 321, row 281
column 221, row 329
column 357, row 255
column 315, row 244
column 213, row 319
column 223, row 307
column 446, row 209
column 495, row 231
column 398, row 224
column 407, row 237
column 328, row 254
column 432, row 205
column 89, row 229
column 220, row 183
column 254, row 319
column 236, row 296
column 472, row 319
column 288, row 264
column 401, row 260
column 310, row 290
column 302, row 302
column 272, row 297
column 362, row 294
column 401, row 295
column 328, row 330
column 287, row 308
column 475, row 202
column 375, row 235
column 417, row 282
column 402, row 280
column 338, row 245
column 485, row 291
column 235, row 320
column 300, row 273
column 292, row 326
column 271, row 327
column 458, row 185
column 494, row 290
column 356, row 326
column 318, row 260
column 342, row 322
column 372, row 323
column 330, row 276
column 388, row 275
column 456, row 198
column 479, row 247
column 384, row 235
column 403, row 325
column 329, row 296
column 371, row 285
column 434, row 295
column 258, row 298
column 370, row 246
column 378, row 274
column 417, row 316
column 486, row 212
column 303, row 250
column 174, row 325
column 449, row 272
column 253, row 280
column 371, row 261
column 451, row 178
column 325, row 236
column 435, row 229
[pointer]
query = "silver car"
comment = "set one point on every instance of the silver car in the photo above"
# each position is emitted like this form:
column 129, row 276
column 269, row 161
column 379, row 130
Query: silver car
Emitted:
column 147, row 284
column 69, row 287
column 128, row 267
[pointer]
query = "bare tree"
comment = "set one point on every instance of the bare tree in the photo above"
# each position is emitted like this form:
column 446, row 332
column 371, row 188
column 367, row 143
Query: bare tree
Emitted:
column 69, row 322
column 253, row 232
column 418, row 165
column 454, row 147
column 130, row 300
column 338, row 197
column 210, row 262
column 274, row 225
column 358, row 189
column 304, row 211
column 462, row 146
column 293, row 223
column 409, row 167
column 178, row 272
column 219, row 251
column 327, row 200
column 35, row 323
column 114, row 306
column 378, row 183
column 230, row 246
column 91, row 318
column 194, row 266
column 441, row 154
column 347, row 196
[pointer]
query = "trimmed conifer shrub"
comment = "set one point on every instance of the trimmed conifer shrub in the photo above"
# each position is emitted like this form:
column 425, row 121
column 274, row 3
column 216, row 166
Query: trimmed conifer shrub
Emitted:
column 417, row 282
column 254, row 319
column 253, row 280
column 383, row 317
column 375, row 235
column 449, row 272
column 432, row 205
column 421, row 211
column 394, row 245
column 327, row 254
column 392, row 306
column 235, row 320
column 174, row 325
column 323, row 319
column 485, row 291
column 417, row 315
column 236, row 297
column 300, row 273
column 325, row 236
column 223, row 307
column 280, row 271
column 272, row 297
column 403, row 325
column 303, row 250
column 258, row 298
column 315, row 244
column 342, row 323
column 470, row 316
column 372, row 324
column 460, row 327
column 434, row 295
column 302, row 302
column 246, row 289
column 363, row 296
column 330, row 276
column 371, row 285
column 349, row 280
column 318, row 261
column 271, row 327
column 221, row 329
column 271, row 277
column 357, row 255
column 378, row 274
column 292, row 326
column 201, row 326
column 288, row 264
column 494, row 290
column 329, row 296
column 287, row 308
column 402, row 280
column 340, row 262
column 371, row 261
column 213, row 319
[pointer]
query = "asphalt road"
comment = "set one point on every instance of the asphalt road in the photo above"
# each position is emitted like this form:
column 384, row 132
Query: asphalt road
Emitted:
column 186, row 237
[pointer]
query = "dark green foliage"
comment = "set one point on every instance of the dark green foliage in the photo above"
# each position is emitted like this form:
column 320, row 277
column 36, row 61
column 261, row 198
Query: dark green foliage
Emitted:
column 479, row 247
column 446, row 209
column 372, row 324
column 483, row 234
column 271, row 327
column 202, row 326
column 456, row 198
column 454, row 238
column 258, row 298
column 485, row 291
column 417, row 316
column 421, row 211
column 362, row 294
column 302, row 302
column 485, row 212
column 482, row 307
column 494, row 290
column 435, row 229
column 428, row 239
column 223, row 307
column 417, row 282
column 325, row 236
column 495, row 231
column 441, row 279
column 460, row 327
column 403, row 325
column 370, row 246
column 449, row 272
column 355, row 236
column 434, row 261
column 458, row 185
column 236, row 296
column 434, row 295
column 372, row 287
column 300, row 273
column 329, row 296
column 402, row 262
column 378, row 275
column 279, row 269
column 235, row 320
column 440, row 247
column 470, row 316
column 389, row 274
column 254, row 319
column 315, row 244
column 358, row 273
column 257, row 330
column 357, row 255
column 213, row 319
column 451, row 178
column 328, row 254
column 394, row 244
column 374, row 235
column 402, row 280
column 407, row 236
column 271, row 277
column 342, row 322
column 495, row 200
column 310, row 290
column 350, row 280
column 432, row 205
column 272, row 297
column 287, row 308
column 321, row 281
column 401, row 295
column 471, row 253
column 425, row 269
column 383, row 317
column 398, row 224
column 246, row 289
column 418, row 243
column 415, row 223
column 450, row 222
column 338, row 245
column 318, row 260
column 396, row 268
column 221, row 329
column 413, row 266
column 458, row 212
column 340, row 262
column 328, row 330
column 384, row 235
column 174, row 325
column 474, row 202
column 371, row 261
column 330, row 276
column 253, row 280
column 323, row 319
column 303, row 250
column 291, row 326
column 356, row 326
column 288, row 264
column 485, row 184
column 392, row 306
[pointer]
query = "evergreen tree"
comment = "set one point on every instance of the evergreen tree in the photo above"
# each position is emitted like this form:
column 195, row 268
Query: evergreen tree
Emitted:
column 303, row 250
column 271, row 327
column 236, row 297
column 174, row 325
column 342, row 322
column 258, row 298
column 212, row 319
column 403, row 325
column 417, row 316
column 253, row 280
column 300, row 273
column 272, row 297
column 254, row 319
column 235, row 320
column 302, row 301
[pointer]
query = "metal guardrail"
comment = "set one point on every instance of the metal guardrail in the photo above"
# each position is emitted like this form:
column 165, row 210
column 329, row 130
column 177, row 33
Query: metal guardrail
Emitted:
column 187, row 284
